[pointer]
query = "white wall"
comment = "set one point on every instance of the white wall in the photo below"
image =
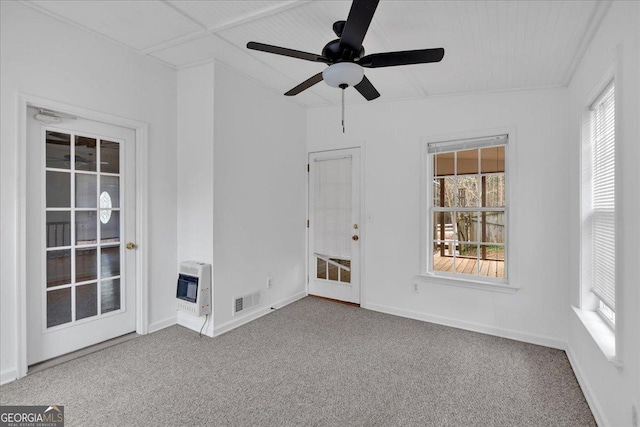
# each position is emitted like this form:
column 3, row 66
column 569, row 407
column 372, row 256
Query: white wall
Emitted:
column 610, row 391
column 195, row 171
column 195, row 164
column 392, row 135
column 259, row 187
column 43, row 57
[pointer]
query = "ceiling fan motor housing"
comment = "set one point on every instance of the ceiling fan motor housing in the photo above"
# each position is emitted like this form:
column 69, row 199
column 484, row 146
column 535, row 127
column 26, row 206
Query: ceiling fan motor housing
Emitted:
column 334, row 53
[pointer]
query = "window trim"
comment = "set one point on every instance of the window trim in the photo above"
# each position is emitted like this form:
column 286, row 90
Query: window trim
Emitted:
column 608, row 339
column 427, row 276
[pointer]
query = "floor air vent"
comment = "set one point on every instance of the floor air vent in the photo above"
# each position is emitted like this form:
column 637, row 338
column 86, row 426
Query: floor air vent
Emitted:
column 247, row 301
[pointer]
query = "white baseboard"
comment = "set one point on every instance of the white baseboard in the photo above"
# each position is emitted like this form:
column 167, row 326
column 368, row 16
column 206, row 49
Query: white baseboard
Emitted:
column 470, row 326
column 8, row 375
column 156, row 326
column 195, row 323
column 232, row 324
column 595, row 407
column 289, row 300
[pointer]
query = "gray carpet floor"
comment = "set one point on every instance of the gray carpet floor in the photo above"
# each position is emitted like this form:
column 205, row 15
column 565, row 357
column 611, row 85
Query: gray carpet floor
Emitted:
column 314, row 363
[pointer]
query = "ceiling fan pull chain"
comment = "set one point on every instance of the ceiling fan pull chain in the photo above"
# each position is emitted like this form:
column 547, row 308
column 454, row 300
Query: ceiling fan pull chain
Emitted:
column 342, row 110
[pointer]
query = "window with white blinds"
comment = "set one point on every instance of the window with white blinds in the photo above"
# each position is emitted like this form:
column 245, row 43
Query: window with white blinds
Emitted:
column 603, row 197
column 332, row 207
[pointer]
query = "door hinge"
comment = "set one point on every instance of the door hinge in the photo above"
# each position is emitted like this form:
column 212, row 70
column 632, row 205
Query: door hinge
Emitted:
column 307, row 167
column 307, row 223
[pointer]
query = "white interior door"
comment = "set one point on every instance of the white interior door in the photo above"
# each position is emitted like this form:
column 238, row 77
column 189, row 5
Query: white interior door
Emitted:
column 334, row 224
column 80, row 216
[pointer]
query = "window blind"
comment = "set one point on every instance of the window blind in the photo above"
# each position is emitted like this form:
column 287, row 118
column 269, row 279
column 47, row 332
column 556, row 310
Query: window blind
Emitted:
column 466, row 144
column 603, row 196
column 332, row 207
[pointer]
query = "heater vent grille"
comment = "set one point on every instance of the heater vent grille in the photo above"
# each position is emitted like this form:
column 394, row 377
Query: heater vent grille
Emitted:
column 247, row 301
column 192, row 271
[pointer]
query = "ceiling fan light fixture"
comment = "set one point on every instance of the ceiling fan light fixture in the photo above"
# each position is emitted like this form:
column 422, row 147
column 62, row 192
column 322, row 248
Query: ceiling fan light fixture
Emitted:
column 343, row 73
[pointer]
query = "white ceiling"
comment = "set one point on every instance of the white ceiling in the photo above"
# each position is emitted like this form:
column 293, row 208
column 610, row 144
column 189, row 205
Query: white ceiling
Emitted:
column 489, row 45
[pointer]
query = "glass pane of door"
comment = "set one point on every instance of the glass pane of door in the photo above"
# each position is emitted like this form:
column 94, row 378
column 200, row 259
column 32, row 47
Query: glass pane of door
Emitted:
column 333, row 219
column 83, row 208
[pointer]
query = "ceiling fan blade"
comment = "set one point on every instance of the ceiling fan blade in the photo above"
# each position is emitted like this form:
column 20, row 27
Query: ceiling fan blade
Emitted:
column 287, row 52
column 305, row 85
column 358, row 22
column 407, row 57
column 366, row 89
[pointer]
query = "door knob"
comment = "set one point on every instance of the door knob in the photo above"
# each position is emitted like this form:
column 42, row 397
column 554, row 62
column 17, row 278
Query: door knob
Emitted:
column 131, row 245
column 355, row 237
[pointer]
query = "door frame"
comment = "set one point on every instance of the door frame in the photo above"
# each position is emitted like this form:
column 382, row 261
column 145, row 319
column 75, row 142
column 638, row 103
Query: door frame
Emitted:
column 23, row 102
column 362, row 231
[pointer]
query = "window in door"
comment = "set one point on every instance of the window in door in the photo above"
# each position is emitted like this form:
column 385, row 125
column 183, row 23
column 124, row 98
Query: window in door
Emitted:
column 333, row 219
column 82, row 229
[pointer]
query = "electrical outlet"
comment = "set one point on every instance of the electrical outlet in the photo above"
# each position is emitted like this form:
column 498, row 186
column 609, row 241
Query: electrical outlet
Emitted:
column 415, row 288
column 634, row 415
column 268, row 282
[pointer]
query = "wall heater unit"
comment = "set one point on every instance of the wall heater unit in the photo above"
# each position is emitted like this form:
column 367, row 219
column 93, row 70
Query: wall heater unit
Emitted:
column 194, row 288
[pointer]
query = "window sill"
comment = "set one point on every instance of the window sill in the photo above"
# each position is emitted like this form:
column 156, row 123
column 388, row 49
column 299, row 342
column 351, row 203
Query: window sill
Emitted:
column 601, row 333
column 473, row 284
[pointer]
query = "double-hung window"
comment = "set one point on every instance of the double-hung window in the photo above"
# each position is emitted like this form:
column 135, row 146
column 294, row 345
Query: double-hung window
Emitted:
column 468, row 209
column 600, row 215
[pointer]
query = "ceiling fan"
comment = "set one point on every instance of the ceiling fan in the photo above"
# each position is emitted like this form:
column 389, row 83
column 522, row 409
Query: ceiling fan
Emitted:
column 346, row 58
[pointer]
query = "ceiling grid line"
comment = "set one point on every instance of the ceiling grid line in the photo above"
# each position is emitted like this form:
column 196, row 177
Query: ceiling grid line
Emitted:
column 284, row 6
column 183, row 14
column 250, row 17
column 178, row 40
column 174, row 42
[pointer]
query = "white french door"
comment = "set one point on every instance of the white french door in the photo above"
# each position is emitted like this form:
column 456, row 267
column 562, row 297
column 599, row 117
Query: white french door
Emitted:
column 80, row 222
column 334, row 224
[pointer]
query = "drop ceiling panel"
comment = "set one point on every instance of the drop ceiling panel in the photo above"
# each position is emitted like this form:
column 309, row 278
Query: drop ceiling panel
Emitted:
column 139, row 24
